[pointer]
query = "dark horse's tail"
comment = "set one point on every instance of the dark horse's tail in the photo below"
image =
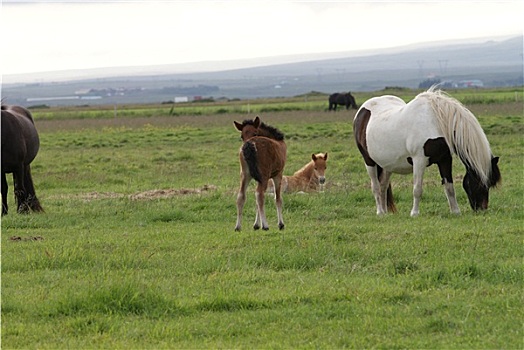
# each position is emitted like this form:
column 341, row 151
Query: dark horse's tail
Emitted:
column 249, row 152
column 31, row 201
column 391, row 203
column 26, row 199
column 389, row 196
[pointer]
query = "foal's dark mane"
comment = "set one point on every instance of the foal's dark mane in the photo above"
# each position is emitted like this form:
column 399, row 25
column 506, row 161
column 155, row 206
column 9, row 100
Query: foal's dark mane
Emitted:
column 272, row 131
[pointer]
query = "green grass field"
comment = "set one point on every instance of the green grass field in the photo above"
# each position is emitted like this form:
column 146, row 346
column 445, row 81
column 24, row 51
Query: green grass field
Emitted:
column 137, row 247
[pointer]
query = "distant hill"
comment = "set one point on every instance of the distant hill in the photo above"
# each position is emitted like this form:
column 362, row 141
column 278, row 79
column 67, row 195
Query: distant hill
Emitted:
column 493, row 63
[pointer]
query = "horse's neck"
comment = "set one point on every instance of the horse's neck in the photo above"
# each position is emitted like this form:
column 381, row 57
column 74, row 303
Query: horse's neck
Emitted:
column 271, row 134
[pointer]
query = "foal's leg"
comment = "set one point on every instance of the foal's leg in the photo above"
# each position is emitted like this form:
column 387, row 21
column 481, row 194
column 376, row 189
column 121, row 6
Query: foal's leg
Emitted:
column 278, row 200
column 375, row 188
column 261, row 215
column 241, row 198
column 419, row 165
column 4, row 194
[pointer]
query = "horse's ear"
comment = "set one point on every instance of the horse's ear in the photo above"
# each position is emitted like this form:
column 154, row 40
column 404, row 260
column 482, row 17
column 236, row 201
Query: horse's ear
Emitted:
column 325, row 156
column 238, row 125
column 313, row 156
column 256, row 122
column 495, row 160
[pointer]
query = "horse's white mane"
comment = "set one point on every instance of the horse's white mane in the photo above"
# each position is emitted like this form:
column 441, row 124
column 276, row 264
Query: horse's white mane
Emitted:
column 462, row 131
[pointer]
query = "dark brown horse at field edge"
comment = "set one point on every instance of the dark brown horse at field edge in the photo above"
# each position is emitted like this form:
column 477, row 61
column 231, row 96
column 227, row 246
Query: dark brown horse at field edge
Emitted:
column 262, row 157
column 20, row 144
column 343, row 99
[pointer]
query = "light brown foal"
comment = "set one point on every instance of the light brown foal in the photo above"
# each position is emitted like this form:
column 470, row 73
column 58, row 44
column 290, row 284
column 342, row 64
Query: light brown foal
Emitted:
column 311, row 177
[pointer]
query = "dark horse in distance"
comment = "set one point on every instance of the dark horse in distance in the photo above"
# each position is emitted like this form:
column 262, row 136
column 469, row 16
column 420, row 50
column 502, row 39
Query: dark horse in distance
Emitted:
column 344, row 99
column 20, row 144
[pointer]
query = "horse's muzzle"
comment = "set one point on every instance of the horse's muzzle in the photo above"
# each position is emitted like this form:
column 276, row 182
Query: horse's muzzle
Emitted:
column 321, row 180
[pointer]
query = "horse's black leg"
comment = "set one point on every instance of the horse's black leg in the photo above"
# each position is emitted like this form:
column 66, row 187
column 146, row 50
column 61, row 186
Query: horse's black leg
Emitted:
column 31, row 201
column 20, row 192
column 4, row 194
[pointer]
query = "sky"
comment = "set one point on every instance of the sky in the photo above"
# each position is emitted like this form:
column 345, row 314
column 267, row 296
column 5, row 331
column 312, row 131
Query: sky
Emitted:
column 41, row 36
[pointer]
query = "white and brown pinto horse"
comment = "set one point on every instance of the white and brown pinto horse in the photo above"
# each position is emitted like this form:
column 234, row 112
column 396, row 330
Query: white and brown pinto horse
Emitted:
column 395, row 137
column 262, row 157
column 311, row 177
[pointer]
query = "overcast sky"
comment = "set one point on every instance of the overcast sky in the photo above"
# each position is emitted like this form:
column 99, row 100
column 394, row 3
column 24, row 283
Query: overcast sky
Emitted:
column 41, row 36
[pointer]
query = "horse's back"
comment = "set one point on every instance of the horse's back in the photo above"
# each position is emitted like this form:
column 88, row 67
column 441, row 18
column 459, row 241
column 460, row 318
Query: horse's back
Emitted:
column 271, row 151
column 267, row 155
column 396, row 131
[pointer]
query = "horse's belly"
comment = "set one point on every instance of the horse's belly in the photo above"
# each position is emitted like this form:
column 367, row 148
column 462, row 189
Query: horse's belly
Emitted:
column 390, row 154
column 394, row 163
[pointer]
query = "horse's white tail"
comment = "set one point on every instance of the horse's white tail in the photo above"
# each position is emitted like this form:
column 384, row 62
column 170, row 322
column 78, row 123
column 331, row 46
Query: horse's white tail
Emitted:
column 462, row 131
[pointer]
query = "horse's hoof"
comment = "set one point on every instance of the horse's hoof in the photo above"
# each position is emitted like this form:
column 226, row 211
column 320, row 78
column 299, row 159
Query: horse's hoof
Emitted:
column 256, row 227
column 265, row 228
column 280, row 226
column 237, row 229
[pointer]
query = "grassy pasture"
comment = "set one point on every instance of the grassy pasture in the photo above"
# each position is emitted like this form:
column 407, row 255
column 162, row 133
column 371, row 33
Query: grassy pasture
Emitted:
column 114, row 264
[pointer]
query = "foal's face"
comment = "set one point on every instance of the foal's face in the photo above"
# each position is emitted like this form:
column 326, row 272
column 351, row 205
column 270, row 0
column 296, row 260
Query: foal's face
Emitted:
column 320, row 166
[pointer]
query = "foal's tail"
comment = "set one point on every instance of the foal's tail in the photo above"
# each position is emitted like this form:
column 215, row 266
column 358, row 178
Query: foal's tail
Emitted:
column 249, row 152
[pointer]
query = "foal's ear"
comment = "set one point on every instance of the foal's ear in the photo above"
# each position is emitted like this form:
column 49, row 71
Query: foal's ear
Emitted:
column 325, row 156
column 256, row 122
column 238, row 125
column 313, row 156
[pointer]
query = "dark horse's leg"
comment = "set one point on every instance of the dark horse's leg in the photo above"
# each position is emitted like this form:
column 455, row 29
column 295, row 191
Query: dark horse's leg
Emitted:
column 31, row 200
column 4, row 194
column 20, row 192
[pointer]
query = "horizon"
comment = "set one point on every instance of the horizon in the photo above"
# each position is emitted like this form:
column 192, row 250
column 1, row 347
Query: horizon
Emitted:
column 220, row 66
